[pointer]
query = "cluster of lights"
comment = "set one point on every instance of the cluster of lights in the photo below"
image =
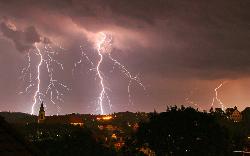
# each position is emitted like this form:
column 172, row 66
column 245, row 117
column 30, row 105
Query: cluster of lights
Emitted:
column 106, row 117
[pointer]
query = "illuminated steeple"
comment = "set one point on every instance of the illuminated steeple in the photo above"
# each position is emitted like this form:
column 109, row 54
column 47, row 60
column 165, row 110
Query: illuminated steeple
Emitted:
column 41, row 116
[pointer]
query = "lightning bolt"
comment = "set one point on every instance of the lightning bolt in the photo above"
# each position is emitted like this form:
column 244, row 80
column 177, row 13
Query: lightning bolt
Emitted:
column 216, row 98
column 129, row 76
column 26, row 71
column 103, row 46
column 101, row 82
column 81, row 60
column 38, row 79
column 189, row 100
column 100, row 48
column 46, row 57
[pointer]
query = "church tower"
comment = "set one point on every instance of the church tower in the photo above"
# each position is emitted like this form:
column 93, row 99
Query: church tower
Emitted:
column 41, row 116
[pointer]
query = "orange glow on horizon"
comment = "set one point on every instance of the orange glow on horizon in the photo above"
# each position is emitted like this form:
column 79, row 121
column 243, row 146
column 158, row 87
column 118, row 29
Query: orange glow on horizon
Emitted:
column 104, row 118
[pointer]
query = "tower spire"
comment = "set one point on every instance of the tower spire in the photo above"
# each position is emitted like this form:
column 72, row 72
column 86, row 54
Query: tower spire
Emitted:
column 41, row 116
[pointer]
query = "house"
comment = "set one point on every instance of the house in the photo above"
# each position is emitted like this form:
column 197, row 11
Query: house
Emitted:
column 234, row 114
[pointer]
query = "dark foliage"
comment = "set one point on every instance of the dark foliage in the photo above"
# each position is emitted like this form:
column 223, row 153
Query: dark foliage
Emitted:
column 184, row 131
column 14, row 143
column 74, row 141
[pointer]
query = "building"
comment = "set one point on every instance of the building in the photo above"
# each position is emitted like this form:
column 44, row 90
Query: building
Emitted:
column 218, row 110
column 71, row 119
column 41, row 116
column 234, row 114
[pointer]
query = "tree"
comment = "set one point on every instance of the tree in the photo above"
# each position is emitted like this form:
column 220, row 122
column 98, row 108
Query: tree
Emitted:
column 184, row 132
column 78, row 142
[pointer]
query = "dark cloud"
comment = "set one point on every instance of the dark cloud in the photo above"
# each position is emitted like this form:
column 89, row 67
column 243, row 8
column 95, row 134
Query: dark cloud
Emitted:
column 210, row 39
column 23, row 40
column 201, row 35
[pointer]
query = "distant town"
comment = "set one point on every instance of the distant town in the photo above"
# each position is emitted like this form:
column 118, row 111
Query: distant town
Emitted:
column 178, row 131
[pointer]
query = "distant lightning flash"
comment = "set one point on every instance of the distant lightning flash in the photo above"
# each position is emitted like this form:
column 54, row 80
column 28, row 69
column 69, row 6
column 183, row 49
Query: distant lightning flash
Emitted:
column 216, row 98
column 189, row 100
column 103, row 45
column 46, row 57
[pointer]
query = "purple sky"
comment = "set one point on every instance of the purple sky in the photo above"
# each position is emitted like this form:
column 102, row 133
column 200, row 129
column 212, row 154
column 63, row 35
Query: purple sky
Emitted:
column 181, row 49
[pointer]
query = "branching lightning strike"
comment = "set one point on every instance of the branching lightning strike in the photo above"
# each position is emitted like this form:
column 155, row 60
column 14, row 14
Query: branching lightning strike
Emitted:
column 103, row 47
column 46, row 57
column 216, row 98
column 103, row 91
column 37, row 93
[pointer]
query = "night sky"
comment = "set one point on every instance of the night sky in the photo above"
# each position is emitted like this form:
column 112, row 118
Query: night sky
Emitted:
column 181, row 49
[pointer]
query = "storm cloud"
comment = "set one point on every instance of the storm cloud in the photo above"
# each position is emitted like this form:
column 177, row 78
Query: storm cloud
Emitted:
column 198, row 36
column 23, row 40
column 184, row 40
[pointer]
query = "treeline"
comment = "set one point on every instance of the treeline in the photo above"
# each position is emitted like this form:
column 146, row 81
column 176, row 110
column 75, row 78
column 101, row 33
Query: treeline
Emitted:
column 18, row 117
column 179, row 131
column 188, row 132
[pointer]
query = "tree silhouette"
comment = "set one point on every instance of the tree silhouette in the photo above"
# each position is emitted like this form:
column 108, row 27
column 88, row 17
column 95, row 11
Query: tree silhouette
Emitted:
column 184, row 131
